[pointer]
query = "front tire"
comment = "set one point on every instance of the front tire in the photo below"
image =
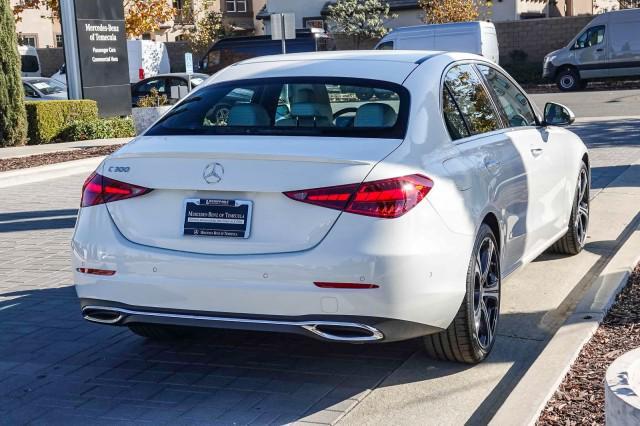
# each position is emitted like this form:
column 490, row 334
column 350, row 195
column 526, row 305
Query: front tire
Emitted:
column 471, row 335
column 568, row 80
column 573, row 241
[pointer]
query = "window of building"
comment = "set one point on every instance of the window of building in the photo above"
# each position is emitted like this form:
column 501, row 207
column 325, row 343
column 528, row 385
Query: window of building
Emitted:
column 59, row 42
column 28, row 40
column 239, row 6
column 314, row 22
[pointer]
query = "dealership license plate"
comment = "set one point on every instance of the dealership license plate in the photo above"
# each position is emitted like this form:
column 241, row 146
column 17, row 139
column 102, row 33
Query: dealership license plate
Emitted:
column 217, row 218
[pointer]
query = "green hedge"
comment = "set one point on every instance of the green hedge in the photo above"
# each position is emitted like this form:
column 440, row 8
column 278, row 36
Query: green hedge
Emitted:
column 46, row 119
column 82, row 130
column 525, row 72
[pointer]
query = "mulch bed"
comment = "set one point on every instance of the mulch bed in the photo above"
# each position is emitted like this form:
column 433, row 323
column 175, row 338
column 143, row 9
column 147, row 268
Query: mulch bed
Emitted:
column 580, row 398
column 55, row 157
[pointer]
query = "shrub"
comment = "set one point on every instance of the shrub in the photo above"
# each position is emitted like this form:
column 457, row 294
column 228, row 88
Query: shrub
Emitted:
column 525, row 72
column 97, row 129
column 13, row 125
column 153, row 99
column 48, row 118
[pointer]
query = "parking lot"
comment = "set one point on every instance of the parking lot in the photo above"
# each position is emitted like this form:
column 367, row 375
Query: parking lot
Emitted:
column 55, row 368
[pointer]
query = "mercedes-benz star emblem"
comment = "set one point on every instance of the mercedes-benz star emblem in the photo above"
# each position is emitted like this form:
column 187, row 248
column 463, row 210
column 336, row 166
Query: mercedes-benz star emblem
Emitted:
column 213, row 173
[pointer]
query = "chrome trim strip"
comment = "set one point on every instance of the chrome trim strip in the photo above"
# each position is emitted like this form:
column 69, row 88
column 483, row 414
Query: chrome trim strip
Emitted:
column 311, row 326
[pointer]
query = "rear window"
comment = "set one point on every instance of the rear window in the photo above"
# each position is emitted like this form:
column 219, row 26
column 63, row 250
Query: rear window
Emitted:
column 291, row 106
column 29, row 63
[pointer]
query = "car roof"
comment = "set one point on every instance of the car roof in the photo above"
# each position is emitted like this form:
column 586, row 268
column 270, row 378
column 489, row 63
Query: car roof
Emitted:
column 30, row 79
column 406, row 56
column 392, row 66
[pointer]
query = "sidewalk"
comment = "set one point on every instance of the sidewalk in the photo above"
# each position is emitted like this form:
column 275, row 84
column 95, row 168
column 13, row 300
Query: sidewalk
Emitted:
column 27, row 150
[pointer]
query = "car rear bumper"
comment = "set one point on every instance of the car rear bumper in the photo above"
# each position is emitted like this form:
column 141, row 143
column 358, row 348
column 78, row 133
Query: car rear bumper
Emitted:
column 420, row 271
column 337, row 328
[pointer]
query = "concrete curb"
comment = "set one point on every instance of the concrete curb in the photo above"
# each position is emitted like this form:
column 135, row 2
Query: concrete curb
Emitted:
column 51, row 171
column 530, row 396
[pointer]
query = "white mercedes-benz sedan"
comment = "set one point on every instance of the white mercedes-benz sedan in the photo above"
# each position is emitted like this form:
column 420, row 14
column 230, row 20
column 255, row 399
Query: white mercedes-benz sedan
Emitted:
column 350, row 196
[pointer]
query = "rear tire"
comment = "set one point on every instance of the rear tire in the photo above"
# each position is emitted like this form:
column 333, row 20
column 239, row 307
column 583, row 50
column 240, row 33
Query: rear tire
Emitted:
column 471, row 335
column 573, row 241
column 158, row 332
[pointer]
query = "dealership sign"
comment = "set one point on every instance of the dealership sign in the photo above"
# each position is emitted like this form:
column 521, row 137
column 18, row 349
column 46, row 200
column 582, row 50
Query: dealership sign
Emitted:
column 95, row 44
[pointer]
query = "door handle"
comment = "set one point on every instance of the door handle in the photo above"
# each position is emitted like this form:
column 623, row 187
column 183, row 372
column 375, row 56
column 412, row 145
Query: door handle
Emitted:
column 537, row 151
column 600, row 50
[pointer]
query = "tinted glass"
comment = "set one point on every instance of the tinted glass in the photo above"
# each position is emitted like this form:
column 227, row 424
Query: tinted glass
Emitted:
column 514, row 103
column 156, row 83
column 452, row 116
column 292, row 106
column 387, row 45
column 29, row 63
column 472, row 99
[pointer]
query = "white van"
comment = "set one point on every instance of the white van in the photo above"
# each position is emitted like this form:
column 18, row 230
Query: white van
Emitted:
column 146, row 59
column 470, row 37
column 609, row 46
column 30, row 66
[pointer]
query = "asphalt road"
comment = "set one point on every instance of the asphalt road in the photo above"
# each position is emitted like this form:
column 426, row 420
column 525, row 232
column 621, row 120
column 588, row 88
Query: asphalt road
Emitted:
column 55, row 368
column 591, row 103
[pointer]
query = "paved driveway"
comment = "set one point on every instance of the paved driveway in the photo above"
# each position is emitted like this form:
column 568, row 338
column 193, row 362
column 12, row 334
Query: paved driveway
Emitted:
column 56, row 368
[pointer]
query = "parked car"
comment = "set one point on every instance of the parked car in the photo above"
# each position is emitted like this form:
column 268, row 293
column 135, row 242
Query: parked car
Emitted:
column 313, row 212
column 30, row 62
column 146, row 59
column 472, row 37
column 43, row 89
column 174, row 85
column 609, row 46
column 230, row 50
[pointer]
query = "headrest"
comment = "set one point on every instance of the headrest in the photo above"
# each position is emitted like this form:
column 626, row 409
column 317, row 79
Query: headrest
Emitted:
column 375, row 115
column 248, row 115
column 310, row 109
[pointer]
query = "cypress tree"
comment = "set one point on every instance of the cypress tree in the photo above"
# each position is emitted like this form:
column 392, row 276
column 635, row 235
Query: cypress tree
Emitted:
column 13, row 121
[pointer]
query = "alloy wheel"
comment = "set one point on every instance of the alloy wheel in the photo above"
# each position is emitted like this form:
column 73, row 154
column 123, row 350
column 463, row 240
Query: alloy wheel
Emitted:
column 567, row 81
column 486, row 297
column 581, row 221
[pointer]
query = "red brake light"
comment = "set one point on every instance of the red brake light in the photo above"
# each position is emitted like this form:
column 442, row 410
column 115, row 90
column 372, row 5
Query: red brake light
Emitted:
column 141, row 73
column 98, row 189
column 387, row 198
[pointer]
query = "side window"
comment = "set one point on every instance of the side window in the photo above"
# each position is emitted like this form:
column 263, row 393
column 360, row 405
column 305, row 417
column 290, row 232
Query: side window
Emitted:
column 591, row 37
column 514, row 103
column 158, row 84
column 452, row 116
column 472, row 99
column 387, row 45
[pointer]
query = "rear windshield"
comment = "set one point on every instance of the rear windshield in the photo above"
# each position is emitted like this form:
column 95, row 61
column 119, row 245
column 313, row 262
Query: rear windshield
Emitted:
column 29, row 63
column 291, row 106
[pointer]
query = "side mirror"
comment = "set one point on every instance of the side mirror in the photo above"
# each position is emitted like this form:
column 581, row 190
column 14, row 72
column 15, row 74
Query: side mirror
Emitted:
column 557, row 115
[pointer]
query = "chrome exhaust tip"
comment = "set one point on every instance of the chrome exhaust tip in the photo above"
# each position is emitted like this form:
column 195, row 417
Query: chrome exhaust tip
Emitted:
column 102, row 316
column 344, row 332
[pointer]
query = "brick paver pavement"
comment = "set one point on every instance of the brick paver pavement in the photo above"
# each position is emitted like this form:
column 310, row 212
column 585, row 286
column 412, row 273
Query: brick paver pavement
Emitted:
column 55, row 368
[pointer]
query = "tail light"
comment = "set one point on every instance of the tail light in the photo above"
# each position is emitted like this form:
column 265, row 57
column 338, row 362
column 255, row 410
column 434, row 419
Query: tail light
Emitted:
column 387, row 198
column 98, row 189
column 141, row 73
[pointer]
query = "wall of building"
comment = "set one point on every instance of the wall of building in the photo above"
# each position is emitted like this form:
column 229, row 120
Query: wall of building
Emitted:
column 38, row 22
column 406, row 18
column 51, row 59
column 537, row 37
